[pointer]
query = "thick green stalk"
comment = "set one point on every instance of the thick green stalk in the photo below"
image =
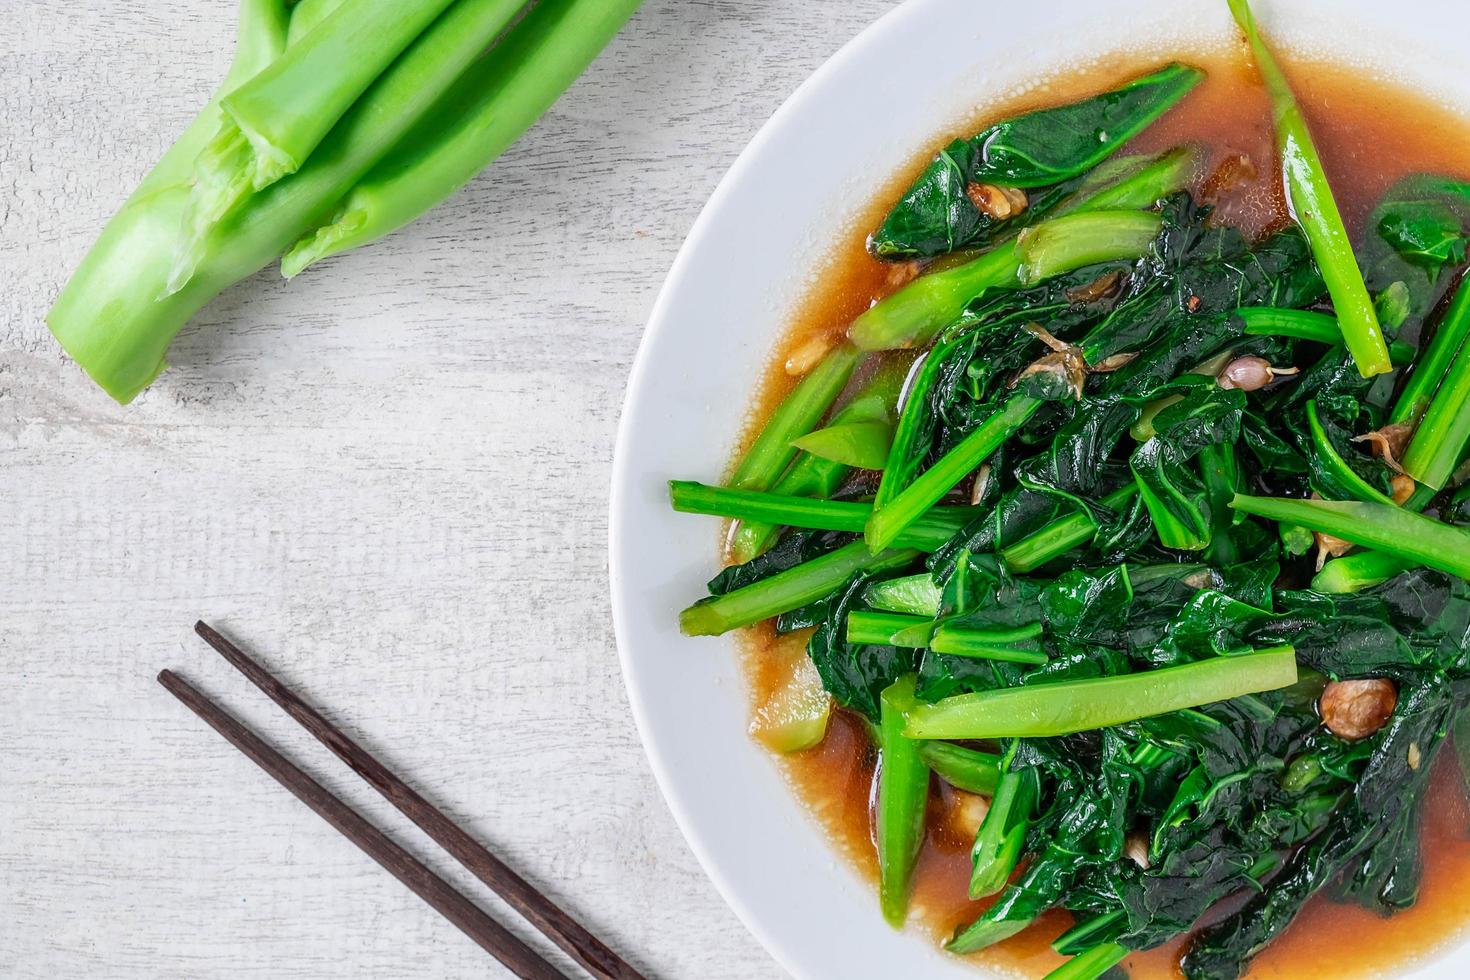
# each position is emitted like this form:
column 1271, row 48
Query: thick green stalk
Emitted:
column 889, row 520
column 787, row 590
column 916, row 595
column 894, row 629
column 903, row 792
column 800, row 411
column 1360, row 488
column 913, row 315
column 1315, row 209
column 1076, row 706
column 1135, row 188
column 116, row 316
column 276, row 119
column 306, row 15
column 1432, row 368
column 813, row 476
column 487, row 110
column 862, row 445
column 968, row 769
column 1443, row 433
column 1090, row 965
column 1002, row 835
column 1060, row 536
column 1063, row 244
column 1321, row 328
column 809, row 476
column 888, row 629
column 990, row 644
column 1353, row 573
column 1383, row 527
column 933, row 529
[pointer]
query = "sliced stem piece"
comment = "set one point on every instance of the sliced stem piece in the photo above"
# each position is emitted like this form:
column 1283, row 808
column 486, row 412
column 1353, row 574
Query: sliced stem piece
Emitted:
column 930, row 531
column 798, row 413
column 903, row 792
column 916, row 595
column 1365, row 569
column 913, row 315
column 990, row 644
column 1320, row 328
column 1383, row 527
column 889, row 520
column 1442, row 352
column 1063, row 244
column 968, row 769
column 1443, row 433
column 787, row 590
column 1076, row 706
column 813, row 476
column 1060, row 536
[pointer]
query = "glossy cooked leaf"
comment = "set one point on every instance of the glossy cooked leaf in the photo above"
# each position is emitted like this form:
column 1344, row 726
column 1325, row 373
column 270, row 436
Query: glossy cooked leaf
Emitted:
column 1044, row 149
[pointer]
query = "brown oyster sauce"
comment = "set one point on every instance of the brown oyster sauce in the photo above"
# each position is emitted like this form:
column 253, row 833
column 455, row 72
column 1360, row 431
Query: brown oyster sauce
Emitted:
column 1369, row 133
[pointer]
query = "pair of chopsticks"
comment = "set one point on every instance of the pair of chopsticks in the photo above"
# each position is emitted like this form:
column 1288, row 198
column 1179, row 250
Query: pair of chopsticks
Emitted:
column 495, row 939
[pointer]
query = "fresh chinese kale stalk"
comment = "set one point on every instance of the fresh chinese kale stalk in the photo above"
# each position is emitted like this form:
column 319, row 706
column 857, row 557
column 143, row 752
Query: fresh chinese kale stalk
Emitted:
column 338, row 122
column 1160, row 542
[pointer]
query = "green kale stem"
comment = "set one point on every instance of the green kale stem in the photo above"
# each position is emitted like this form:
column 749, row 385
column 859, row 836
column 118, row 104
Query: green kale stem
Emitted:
column 798, row 413
column 1085, row 934
column 1075, row 706
column 273, row 122
column 1063, row 244
column 809, row 476
column 968, row 769
column 890, row 519
column 1363, row 570
column 1434, row 365
column 1443, row 432
column 1090, row 965
column 1320, row 328
column 930, row 531
column 1060, row 536
column 477, row 119
column 1315, row 209
column 813, row 476
column 916, row 595
column 989, row 644
column 787, row 590
column 1333, row 461
column 116, row 316
column 903, row 794
column 1002, row 836
column 895, row 629
column 1382, row 527
column 912, row 316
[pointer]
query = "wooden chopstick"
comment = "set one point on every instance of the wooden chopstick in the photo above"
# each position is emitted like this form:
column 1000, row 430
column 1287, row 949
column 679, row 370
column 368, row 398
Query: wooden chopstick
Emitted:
column 491, row 936
column 595, row 957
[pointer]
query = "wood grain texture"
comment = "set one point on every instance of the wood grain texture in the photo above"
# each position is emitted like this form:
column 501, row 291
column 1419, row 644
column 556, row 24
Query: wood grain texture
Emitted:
column 388, row 477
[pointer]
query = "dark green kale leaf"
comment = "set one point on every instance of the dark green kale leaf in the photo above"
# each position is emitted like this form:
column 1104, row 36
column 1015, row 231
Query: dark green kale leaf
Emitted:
column 1046, row 149
column 1369, row 838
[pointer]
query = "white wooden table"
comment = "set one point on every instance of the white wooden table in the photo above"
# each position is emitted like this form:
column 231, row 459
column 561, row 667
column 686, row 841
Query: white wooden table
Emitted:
column 389, row 478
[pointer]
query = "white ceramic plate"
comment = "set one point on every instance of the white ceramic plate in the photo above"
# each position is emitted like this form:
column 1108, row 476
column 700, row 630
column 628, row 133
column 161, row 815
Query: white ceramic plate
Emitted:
column 863, row 115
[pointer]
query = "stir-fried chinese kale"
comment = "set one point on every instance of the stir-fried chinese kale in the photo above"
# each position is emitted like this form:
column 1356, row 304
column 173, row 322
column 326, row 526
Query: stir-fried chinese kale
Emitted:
column 1159, row 542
